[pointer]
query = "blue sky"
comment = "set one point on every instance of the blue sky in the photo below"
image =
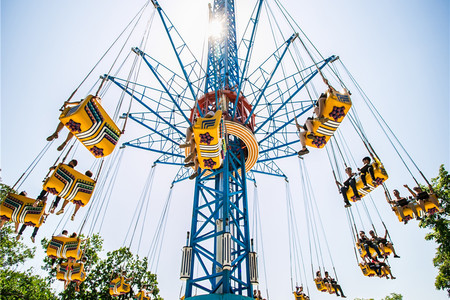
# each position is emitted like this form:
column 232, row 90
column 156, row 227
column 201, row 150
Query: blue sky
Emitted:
column 398, row 51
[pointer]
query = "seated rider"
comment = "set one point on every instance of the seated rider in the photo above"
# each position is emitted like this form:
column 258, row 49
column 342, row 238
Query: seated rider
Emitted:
column 382, row 242
column 192, row 159
column 367, row 244
column 385, row 270
column 422, row 197
column 367, row 168
column 350, row 182
column 299, row 294
column 324, row 280
column 35, row 229
column 77, row 205
column 60, row 126
column 334, row 285
column 16, row 225
column 72, row 164
column 367, row 260
column 308, row 126
column 400, row 204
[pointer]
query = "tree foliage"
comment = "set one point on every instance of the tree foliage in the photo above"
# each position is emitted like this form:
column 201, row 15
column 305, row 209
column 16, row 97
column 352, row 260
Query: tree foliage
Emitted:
column 393, row 296
column 100, row 272
column 12, row 252
column 440, row 230
column 18, row 285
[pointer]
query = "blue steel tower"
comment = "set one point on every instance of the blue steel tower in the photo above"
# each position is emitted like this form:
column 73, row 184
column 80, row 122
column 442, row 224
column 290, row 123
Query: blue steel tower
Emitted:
column 257, row 110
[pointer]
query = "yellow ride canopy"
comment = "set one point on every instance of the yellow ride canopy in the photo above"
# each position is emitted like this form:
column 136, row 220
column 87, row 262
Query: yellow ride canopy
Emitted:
column 208, row 141
column 118, row 286
column 70, row 184
column 380, row 177
column 92, row 126
column 336, row 107
column 71, row 271
column 64, row 247
column 18, row 208
column 141, row 296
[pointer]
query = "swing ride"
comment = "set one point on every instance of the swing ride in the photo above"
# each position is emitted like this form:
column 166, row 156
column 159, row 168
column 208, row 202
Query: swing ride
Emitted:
column 223, row 124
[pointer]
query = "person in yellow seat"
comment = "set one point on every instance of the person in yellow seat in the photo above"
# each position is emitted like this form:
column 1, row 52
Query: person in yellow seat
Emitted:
column 400, row 204
column 299, row 294
column 334, row 285
column 77, row 205
column 67, row 106
column 5, row 219
column 349, row 183
column 382, row 242
column 422, row 196
column 308, row 126
column 72, row 164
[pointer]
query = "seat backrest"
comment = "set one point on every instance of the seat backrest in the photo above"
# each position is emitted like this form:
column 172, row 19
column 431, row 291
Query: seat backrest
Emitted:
column 18, row 208
column 336, row 108
column 69, row 184
column 208, row 141
column 64, row 247
column 92, row 126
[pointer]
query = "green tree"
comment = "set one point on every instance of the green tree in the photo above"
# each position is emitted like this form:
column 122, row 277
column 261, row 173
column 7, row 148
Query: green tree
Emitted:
column 12, row 252
column 440, row 229
column 13, row 284
column 20, row 285
column 393, row 296
column 100, row 272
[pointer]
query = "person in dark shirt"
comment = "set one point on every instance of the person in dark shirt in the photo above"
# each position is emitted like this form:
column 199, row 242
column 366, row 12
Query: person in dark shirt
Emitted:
column 367, row 244
column 349, row 183
column 367, row 168
column 337, row 287
column 422, row 197
column 401, row 203
column 382, row 243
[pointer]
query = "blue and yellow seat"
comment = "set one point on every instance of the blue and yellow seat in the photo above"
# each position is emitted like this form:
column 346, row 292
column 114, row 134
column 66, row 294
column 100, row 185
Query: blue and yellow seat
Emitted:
column 367, row 271
column 64, row 247
column 320, row 285
column 18, row 208
column 71, row 272
column 92, row 126
column 70, row 184
column 380, row 177
column 118, row 286
column 336, row 107
column 362, row 251
column 208, row 141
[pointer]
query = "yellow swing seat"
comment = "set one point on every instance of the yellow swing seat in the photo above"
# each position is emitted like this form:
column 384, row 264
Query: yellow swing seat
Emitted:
column 367, row 271
column 18, row 208
column 299, row 297
column 430, row 207
column 118, row 286
column 71, row 271
column 320, row 285
column 208, row 141
column 141, row 296
column 407, row 212
column 92, row 126
column 64, row 247
column 70, row 184
column 336, row 108
column 380, row 177
column 362, row 251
